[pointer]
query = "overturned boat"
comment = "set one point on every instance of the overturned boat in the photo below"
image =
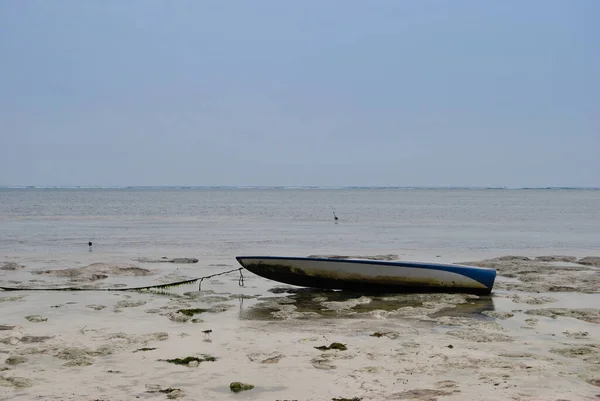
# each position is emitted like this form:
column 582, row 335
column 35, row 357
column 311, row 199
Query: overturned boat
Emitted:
column 371, row 275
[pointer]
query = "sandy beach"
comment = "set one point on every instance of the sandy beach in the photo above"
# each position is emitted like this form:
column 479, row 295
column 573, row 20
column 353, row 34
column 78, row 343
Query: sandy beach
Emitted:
column 535, row 338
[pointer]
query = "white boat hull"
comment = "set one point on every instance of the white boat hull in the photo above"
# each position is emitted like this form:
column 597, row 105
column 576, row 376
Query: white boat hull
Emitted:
column 371, row 275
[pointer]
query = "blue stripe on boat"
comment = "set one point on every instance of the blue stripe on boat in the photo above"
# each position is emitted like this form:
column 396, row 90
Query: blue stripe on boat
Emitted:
column 483, row 275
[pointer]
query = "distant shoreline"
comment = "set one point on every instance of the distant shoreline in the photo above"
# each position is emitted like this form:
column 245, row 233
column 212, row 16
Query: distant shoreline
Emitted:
column 284, row 187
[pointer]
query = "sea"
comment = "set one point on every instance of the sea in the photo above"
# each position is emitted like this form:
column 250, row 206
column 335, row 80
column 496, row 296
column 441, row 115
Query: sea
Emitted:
column 217, row 224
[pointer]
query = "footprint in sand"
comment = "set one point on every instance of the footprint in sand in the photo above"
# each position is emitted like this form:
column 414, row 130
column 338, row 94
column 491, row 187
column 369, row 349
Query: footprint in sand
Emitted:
column 323, row 362
column 15, row 360
column 35, row 339
column 36, row 318
column 130, row 304
column 447, row 384
column 578, row 335
column 96, row 307
column 272, row 357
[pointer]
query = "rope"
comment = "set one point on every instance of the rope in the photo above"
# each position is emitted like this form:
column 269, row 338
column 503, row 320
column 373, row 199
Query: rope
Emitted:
column 177, row 283
column 240, row 281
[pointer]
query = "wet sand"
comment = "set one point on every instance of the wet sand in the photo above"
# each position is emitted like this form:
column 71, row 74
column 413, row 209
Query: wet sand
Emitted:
column 537, row 337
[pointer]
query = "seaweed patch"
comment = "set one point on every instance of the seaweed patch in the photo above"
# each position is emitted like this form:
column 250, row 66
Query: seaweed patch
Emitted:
column 338, row 346
column 236, row 387
column 190, row 360
column 192, row 312
column 145, row 349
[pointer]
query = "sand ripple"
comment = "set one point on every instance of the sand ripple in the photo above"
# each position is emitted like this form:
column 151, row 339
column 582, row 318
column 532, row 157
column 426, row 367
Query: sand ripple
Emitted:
column 585, row 314
column 538, row 275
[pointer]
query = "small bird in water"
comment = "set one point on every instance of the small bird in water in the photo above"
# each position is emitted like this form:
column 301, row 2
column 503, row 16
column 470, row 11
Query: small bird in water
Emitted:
column 90, row 245
column 335, row 217
column 207, row 333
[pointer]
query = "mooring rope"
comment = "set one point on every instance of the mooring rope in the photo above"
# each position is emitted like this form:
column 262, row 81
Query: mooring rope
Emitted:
column 149, row 287
column 240, row 280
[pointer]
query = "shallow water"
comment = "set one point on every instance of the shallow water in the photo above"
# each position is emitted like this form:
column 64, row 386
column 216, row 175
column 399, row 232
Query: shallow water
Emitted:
column 222, row 223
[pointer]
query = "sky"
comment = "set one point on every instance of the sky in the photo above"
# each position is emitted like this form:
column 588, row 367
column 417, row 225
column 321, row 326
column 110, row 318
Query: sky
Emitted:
column 325, row 93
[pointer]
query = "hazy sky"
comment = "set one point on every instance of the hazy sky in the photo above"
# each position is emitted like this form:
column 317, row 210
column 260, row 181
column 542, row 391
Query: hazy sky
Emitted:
column 398, row 92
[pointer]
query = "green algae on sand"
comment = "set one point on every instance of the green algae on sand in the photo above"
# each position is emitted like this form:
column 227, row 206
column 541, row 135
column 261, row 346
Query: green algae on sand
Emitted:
column 145, row 349
column 338, row 346
column 236, row 387
column 192, row 312
column 189, row 360
column 166, row 390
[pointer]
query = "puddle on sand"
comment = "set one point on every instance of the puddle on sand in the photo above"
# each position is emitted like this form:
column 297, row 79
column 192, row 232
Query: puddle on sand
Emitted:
column 472, row 309
column 317, row 303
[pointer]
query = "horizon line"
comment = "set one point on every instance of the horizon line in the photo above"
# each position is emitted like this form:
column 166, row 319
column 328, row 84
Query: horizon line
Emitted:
column 293, row 187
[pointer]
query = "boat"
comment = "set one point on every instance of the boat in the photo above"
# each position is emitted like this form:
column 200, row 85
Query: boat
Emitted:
column 368, row 275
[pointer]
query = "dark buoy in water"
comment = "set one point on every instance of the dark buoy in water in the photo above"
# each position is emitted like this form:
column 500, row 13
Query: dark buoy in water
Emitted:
column 335, row 217
column 90, row 245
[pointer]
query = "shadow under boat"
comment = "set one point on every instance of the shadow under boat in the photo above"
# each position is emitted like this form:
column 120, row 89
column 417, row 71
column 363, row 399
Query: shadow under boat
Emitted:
column 312, row 302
